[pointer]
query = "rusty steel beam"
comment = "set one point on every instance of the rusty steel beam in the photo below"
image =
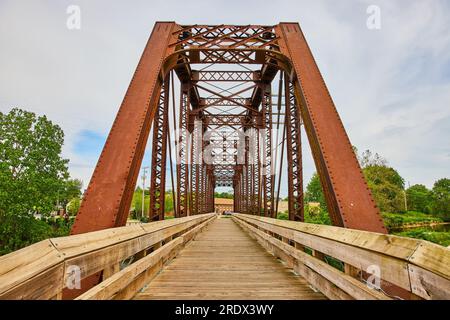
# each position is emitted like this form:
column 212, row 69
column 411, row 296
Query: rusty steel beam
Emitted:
column 225, row 76
column 182, row 152
column 268, row 174
column 159, row 155
column 196, row 157
column 294, row 154
column 349, row 199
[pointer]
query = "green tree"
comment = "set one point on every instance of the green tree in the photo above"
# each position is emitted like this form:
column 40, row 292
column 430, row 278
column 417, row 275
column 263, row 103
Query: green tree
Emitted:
column 136, row 205
column 314, row 192
column 387, row 187
column 441, row 198
column 72, row 190
column 168, row 201
column 223, row 195
column 385, row 183
column 73, row 206
column 32, row 172
column 419, row 198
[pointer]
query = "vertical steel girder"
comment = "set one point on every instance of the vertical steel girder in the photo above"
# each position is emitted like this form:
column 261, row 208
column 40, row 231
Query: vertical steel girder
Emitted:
column 248, row 179
column 294, row 155
column 268, row 203
column 159, row 155
column 348, row 197
column 196, row 148
column 257, row 178
column 182, row 153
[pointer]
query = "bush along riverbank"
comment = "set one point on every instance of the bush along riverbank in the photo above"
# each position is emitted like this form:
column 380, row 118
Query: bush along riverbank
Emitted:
column 398, row 221
column 439, row 237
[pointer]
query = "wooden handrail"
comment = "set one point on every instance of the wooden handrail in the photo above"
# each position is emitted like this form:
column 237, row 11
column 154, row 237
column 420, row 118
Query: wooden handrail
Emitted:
column 416, row 267
column 43, row 270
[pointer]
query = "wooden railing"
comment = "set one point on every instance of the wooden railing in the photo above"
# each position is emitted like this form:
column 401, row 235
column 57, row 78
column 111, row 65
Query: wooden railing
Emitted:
column 346, row 264
column 44, row 269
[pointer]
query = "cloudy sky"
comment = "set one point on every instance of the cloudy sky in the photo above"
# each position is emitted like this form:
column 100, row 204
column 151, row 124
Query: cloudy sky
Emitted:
column 391, row 86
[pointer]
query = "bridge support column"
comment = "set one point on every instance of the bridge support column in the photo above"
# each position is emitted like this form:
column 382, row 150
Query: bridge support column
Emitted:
column 159, row 155
column 294, row 154
column 266, row 110
column 182, row 153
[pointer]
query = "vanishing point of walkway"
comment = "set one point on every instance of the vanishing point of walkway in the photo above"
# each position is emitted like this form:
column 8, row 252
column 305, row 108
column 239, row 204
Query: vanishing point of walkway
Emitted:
column 224, row 262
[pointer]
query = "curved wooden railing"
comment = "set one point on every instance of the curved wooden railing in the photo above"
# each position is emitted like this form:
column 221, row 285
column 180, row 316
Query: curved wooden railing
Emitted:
column 346, row 264
column 44, row 269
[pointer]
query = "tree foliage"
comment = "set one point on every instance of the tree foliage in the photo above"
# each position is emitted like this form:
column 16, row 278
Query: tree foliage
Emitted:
column 32, row 173
column 419, row 198
column 441, row 198
column 223, row 195
column 73, row 206
column 387, row 187
column 314, row 192
column 385, row 183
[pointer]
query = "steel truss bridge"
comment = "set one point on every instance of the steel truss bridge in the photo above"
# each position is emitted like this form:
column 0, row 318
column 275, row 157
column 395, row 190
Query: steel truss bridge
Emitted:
column 225, row 106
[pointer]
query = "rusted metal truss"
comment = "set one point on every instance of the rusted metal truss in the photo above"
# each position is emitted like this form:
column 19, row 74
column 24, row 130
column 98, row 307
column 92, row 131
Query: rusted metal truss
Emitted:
column 159, row 155
column 225, row 76
column 230, row 93
column 294, row 154
column 183, row 154
column 268, row 169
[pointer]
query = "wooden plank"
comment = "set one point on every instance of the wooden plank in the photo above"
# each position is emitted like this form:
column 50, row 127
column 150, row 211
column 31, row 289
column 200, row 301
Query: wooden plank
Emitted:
column 79, row 244
column 432, row 257
column 119, row 281
column 428, row 285
column 19, row 268
column 196, row 273
column 43, row 286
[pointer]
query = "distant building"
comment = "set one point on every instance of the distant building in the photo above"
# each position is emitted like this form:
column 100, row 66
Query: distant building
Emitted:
column 222, row 204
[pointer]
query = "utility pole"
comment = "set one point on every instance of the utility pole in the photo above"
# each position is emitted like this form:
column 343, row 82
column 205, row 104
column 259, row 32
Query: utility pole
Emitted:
column 406, row 201
column 143, row 190
column 406, row 198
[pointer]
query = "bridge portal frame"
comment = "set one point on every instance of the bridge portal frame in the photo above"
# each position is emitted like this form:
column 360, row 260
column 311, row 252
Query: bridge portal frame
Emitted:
column 282, row 47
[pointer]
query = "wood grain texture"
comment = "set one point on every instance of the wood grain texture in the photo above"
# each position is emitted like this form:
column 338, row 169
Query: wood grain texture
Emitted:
column 224, row 262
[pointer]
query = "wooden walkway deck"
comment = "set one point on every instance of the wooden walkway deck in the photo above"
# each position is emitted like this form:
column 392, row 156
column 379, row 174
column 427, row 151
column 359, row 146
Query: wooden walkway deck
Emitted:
column 224, row 262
